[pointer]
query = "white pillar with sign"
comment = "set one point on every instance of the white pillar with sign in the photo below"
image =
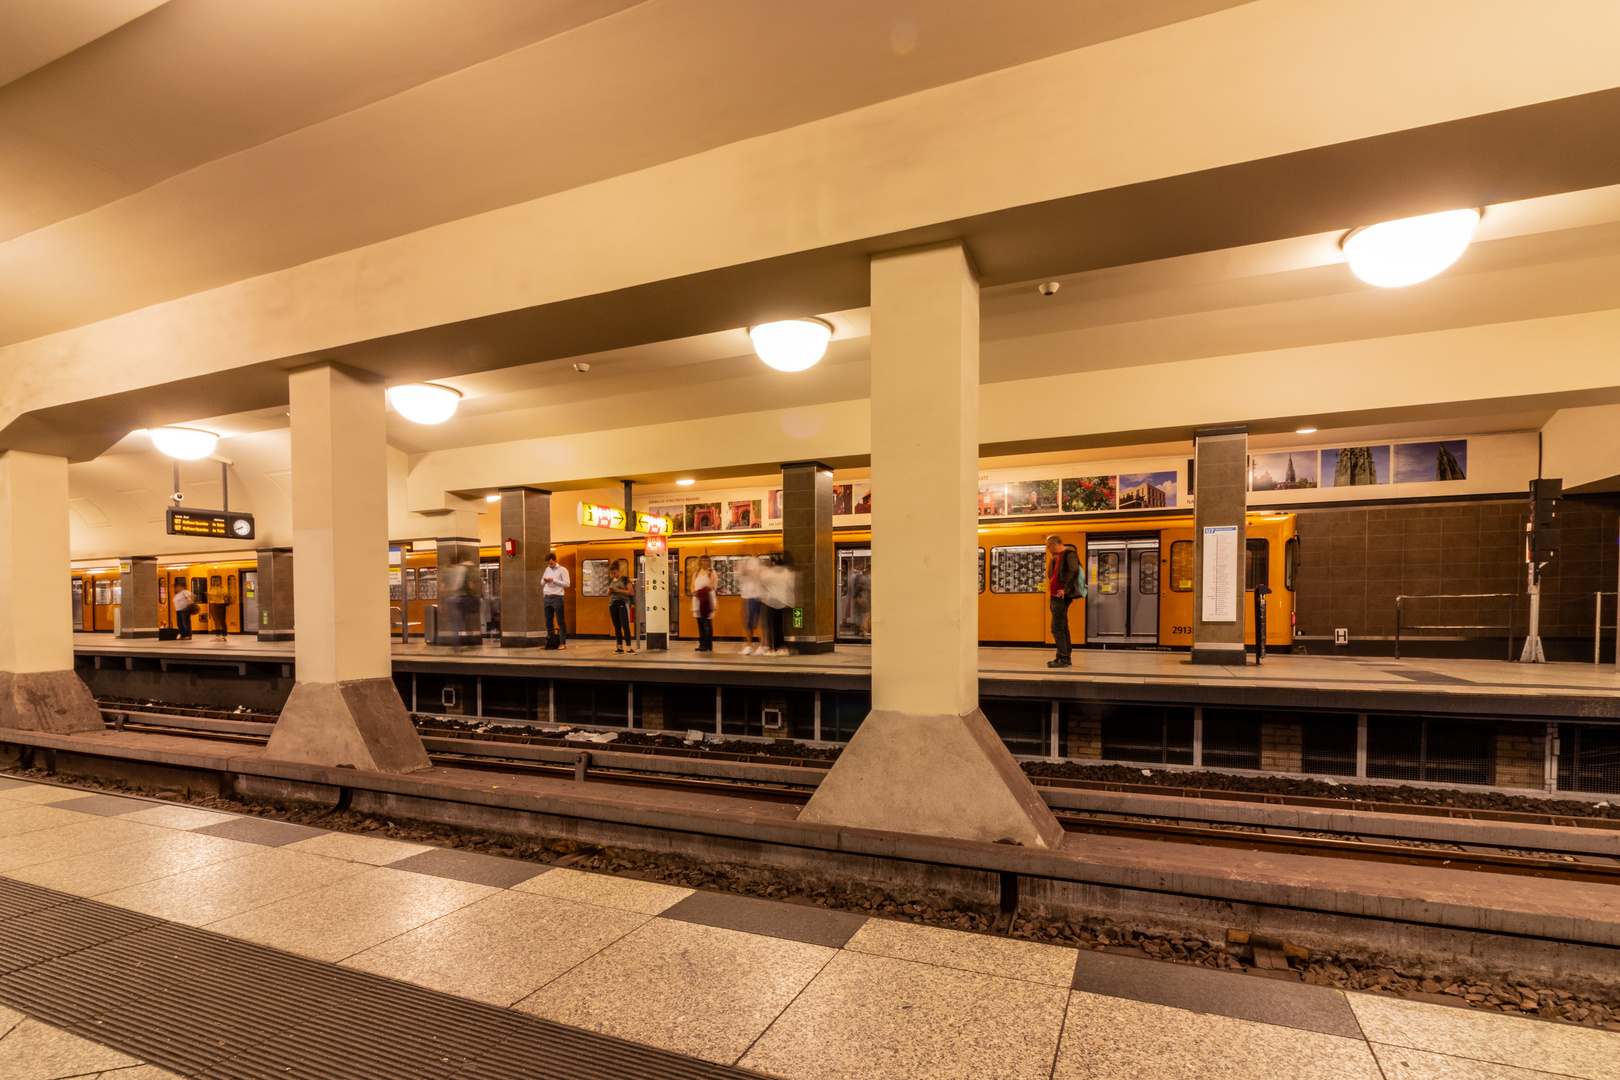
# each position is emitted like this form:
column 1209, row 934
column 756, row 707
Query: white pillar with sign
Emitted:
column 655, row 592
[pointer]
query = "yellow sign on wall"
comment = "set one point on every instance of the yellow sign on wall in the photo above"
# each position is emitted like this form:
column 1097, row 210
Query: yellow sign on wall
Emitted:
column 612, row 517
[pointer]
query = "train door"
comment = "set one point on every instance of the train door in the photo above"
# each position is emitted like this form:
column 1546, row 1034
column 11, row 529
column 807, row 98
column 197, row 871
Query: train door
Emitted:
column 249, row 599
column 489, row 604
column 854, row 595
column 78, row 603
column 1122, row 606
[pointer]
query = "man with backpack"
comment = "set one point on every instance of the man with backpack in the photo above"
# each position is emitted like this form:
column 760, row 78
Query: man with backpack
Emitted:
column 1065, row 583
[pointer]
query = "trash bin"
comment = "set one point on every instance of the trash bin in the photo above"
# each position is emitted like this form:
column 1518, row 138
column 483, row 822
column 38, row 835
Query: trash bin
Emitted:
column 430, row 624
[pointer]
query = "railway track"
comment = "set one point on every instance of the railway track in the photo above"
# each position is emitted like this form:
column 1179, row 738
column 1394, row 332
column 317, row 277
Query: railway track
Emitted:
column 1600, row 869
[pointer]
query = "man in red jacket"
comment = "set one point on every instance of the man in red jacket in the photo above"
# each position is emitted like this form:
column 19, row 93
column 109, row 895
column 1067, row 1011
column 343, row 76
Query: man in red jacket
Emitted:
column 1063, row 586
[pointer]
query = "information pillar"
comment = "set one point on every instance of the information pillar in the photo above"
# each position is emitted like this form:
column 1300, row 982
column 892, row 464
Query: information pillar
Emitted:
column 1220, row 550
column 655, row 592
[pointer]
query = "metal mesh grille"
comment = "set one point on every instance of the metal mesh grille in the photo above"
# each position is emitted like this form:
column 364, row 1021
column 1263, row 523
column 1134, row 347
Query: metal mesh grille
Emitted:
column 212, row 1007
column 1400, row 748
column 1231, row 739
column 1146, row 733
column 1022, row 724
column 1328, row 744
column 1588, row 758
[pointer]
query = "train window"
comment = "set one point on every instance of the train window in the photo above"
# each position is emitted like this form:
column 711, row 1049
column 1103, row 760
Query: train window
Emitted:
column 409, row 574
column 1018, row 569
column 1259, row 572
column 427, row 583
column 103, row 593
column 981, row 569
column 593, row 577
column 1108, row 572
column 725, row 570
column 1147, row 575
column 1290, row 562
column 1181, row 566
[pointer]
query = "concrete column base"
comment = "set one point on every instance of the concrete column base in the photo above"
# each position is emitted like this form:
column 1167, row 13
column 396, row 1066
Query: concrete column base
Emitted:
column 1231, row 656
column 53, row 701
column 360, row 724
column 934, row 776
column 810, row 648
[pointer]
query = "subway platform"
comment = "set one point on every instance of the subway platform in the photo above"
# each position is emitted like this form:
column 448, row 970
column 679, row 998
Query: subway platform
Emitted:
column 1282, row 681
column 147, row 939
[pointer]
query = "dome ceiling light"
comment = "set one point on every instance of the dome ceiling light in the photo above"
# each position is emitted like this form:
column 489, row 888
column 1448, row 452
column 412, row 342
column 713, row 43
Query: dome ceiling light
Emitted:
column 186, row 444
column 791, row 344
column 1409, row 250
column 424, row 403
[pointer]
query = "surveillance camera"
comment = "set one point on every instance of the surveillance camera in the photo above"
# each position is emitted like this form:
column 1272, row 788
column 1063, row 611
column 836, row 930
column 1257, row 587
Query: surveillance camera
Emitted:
column 177, row 497
column 1049, row 287
column 582, row 368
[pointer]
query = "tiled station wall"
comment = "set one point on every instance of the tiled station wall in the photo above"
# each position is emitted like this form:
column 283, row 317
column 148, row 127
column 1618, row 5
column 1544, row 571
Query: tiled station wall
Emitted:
column 1354, row 561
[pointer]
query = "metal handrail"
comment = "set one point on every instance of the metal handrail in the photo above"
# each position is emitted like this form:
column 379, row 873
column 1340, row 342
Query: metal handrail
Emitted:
column 1598, row 628
column 1513, row 611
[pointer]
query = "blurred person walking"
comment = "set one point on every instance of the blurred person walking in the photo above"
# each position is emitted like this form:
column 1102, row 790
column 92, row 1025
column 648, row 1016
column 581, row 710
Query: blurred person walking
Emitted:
column 748, row 583
column 777, row 590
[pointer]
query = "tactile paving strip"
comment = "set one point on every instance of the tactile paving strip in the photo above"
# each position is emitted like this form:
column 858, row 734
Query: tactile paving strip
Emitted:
column 215, row 1008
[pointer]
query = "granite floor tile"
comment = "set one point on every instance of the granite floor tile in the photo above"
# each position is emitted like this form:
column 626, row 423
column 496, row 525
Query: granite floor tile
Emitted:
column 697, row 990
column 23, row 817
column 1405, row 1063
column 44, row 793
column 471, row 866
column 36, row 1051
column 266, row 831
column 376, row 850
column 771, row 918
column 1007, row 957
column 9, row 1018
column 605, row 890
column 176, row 816
column 131, row 864
column 211, row 893
column 140, row 1072
column 82, row 837
column 1226, row 993
column 354, row 914
column 9, row 783
column 1109, row 1038
column 887, row 1019
column 1506, row 1040
column 105, row 805
column 501, row 948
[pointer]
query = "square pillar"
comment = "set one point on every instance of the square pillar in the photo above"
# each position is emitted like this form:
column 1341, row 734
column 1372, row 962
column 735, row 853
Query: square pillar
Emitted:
column 39, row 690
column 807, row 541
column 1220, row 552
column 926, row 761
column 526, row 524
column 344, row 710
column 275, row 594
column 138, row 597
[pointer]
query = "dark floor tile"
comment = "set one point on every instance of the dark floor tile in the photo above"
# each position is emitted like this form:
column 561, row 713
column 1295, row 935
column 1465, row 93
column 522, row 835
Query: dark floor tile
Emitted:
column 264, row 831
column 470, row 866
column 1223, row 993
column 7, row 783
column 768, row 918
column 104, row 805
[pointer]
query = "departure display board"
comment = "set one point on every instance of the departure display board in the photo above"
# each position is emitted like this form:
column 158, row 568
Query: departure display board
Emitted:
column 219, row 524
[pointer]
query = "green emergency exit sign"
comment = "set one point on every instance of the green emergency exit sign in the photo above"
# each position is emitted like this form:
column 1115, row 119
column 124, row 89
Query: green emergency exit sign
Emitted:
column 798, row 618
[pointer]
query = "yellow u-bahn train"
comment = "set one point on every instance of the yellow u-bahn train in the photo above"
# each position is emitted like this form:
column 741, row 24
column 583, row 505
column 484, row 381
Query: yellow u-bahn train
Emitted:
column 1139, row 571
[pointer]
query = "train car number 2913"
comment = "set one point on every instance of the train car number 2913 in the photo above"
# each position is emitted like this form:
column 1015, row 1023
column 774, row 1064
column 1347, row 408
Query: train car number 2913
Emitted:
column 1181, row 630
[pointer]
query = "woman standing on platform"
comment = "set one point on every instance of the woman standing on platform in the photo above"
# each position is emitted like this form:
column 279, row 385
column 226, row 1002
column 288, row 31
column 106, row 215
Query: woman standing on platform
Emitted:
column 621, row 594
column 703, row 599
column 219, row 599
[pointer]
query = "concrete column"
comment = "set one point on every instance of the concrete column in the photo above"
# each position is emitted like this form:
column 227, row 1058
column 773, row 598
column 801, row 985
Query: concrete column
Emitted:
column 460, row 584
column 138, row 597
column 1220, row 503
column 39, row 690
column 525, row 523
column 344, row 709
column 276, row 594
column 807, row 541
column 926, row 760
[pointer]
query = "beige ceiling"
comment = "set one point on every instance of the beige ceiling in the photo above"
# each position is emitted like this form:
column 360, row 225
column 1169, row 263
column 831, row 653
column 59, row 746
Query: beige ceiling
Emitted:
column 35, row 32
column 206, row 142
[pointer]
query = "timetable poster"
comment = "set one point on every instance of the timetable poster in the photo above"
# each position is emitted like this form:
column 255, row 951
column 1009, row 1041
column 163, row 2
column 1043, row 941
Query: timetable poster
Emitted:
column 1220, row 573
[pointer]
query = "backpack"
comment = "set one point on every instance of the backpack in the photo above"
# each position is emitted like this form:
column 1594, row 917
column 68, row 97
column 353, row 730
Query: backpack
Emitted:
column 1080, row 579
